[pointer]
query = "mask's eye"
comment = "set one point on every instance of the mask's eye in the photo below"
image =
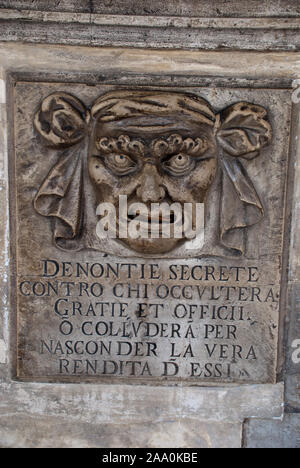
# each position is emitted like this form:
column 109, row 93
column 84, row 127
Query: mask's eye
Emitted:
column 120, row 164
column 179, row 165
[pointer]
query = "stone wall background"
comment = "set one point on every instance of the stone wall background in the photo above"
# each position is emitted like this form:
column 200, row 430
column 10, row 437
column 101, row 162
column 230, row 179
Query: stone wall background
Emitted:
column 217, row 8
column 40, row 415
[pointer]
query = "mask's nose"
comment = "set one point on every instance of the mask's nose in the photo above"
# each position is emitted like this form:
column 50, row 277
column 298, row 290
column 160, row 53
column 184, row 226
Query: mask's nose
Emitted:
column 150, row 188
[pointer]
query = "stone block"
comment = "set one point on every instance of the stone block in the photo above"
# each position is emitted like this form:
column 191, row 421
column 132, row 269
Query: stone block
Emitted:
column 260, row 433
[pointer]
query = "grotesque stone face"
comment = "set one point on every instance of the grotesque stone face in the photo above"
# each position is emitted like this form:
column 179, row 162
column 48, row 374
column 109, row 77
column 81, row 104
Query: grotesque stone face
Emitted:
column 158, row 148
column 152, row 159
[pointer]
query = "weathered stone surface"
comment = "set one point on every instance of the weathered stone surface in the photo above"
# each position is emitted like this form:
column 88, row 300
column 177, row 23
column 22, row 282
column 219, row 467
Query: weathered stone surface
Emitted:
column 61, row 5
column 3, row 272
column 260, row 433
column 159, row 38
column 292, row 316
column 293, row 355
column 188, row 24
column 4, row 254
column 49, row 432
column 200, row 67
column 292, row 391
column 119, row 404
column 38, row 403
column 236, row 8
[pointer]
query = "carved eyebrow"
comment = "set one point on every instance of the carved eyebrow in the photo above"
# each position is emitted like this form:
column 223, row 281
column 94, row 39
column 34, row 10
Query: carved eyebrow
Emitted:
column 176, row 144
column 121, row 144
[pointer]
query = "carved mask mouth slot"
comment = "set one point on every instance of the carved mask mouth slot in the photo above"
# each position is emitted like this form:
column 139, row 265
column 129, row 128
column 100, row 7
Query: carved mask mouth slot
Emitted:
column 154, row 219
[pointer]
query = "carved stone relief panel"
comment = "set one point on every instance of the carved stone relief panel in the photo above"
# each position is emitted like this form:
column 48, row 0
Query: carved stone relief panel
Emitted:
column 151, row 146
column 148, row 308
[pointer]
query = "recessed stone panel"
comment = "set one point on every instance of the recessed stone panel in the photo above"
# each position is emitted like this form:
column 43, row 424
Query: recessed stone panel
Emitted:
column 199, row 311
